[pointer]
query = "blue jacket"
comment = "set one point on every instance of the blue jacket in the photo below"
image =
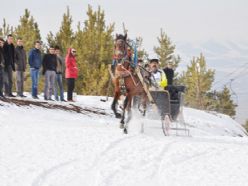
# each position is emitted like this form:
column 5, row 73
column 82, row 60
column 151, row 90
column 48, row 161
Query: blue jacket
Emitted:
column 34, row 59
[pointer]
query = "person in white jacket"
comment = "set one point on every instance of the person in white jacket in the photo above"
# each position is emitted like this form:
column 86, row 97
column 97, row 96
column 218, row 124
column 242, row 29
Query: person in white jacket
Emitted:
column 158, row 76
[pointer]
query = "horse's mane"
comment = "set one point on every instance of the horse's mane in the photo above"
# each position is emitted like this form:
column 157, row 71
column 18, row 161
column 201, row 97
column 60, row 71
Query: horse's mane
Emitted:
column 120, row 36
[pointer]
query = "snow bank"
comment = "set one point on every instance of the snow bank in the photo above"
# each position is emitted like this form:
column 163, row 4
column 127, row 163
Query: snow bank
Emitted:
column 44, row 147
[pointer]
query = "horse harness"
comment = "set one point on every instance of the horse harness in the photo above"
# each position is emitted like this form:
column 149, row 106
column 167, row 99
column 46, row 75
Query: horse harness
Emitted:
column 122, row 74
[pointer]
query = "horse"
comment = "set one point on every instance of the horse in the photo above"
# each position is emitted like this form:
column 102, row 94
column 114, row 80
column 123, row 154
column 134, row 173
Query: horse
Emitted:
column 126, row 81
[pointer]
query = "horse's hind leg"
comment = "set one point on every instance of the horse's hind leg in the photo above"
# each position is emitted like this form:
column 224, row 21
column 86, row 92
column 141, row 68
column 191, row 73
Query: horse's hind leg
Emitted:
column 143, row 114
column 129, row 117
column 114, row 103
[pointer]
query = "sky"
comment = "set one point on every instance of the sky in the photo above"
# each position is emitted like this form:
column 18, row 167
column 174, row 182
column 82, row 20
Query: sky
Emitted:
column 217, row 28
column 191, row 20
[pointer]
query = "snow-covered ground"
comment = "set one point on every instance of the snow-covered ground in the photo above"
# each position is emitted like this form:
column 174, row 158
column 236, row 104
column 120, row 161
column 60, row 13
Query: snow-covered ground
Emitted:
column 43, row 147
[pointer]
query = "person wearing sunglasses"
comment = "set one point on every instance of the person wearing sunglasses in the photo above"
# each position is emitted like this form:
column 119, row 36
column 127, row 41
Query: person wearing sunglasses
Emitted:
column 71, row 72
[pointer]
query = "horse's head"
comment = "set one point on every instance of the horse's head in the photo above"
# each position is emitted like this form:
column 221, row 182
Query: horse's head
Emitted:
column 120, row 46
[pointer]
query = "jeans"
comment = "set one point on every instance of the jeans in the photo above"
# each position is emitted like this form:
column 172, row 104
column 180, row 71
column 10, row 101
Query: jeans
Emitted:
column 70, row 88
column 19, row 82
column 8, row 80
column 59, row 86
column 35, row 78
column 49, row 83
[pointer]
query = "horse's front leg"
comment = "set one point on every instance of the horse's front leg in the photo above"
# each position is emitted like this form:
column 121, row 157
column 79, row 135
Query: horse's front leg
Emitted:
column 129, row 113
column 114, row 103
column 122, row 123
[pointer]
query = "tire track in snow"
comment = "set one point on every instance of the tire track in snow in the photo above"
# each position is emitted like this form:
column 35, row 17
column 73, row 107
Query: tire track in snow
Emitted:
column 159, row 158
column 102, row 154
column 110, row 146
column 189, row 158
column 41, row 178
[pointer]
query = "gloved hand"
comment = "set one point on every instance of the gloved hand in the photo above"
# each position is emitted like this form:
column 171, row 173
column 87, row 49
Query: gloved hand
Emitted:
column 163, row 83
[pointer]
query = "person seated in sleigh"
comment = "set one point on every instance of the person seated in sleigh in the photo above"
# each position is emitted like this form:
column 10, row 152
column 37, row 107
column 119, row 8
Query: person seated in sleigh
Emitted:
column 158, row 77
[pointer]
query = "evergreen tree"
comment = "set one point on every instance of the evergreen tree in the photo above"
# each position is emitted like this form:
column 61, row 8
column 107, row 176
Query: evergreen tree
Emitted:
column 64, row 38
column 28, row 30
column 221, row 101
column 94, row 45
column 165, row 50
column 225, row 104
column 5, row 29
column 51, row 39
column 198, row 80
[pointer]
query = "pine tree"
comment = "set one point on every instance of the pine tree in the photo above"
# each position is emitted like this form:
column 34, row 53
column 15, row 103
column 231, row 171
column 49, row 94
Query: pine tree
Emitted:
column 94, row 45
column 225, row 104
column 5, row 29
column 198, row 80
column 28, row 30
column 165, row 50
column 51, row 39
column 64, row 38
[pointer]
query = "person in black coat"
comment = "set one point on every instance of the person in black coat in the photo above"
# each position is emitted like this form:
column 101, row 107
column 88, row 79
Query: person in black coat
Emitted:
column 9, row 65
column 49, row 65
column 20, row 65
column 169, row 72
column 1, row 67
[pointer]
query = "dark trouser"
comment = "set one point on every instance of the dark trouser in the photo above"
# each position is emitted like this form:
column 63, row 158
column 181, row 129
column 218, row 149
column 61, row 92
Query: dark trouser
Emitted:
column 49, row 83
column 8, row 80
column 59, row 87
column 1, row 80
column 70, row 87
column 19, row 82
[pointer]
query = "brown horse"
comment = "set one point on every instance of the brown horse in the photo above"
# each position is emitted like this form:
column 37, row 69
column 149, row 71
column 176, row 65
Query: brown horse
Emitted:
column 126, row 81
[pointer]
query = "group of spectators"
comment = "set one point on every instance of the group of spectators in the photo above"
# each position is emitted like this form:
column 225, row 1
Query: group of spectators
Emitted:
column 52, row 65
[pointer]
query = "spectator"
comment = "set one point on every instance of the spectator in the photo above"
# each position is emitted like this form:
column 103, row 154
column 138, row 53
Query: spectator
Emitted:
column 20, row 66
column 169, row 72
column 1, row 67
column 71, row 72
column 9, row 65
column 49, row 64
column 35, row 64
column 59, row 75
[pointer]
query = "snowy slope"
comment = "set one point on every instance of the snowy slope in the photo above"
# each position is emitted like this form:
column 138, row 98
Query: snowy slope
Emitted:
column 43, row 147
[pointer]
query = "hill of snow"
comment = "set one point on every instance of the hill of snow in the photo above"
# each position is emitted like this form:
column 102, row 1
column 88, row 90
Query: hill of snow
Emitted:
column 52, row 147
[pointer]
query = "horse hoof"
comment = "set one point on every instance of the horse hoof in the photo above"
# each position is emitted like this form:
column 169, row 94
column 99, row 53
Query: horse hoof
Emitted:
column 125, row 131
column 122, row 125
column 118, row 115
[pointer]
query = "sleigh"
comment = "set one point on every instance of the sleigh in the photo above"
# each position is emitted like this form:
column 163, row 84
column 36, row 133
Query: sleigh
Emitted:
column 165, row 105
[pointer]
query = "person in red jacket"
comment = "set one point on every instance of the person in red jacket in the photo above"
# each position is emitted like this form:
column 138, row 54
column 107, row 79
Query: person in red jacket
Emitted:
column 71, row 72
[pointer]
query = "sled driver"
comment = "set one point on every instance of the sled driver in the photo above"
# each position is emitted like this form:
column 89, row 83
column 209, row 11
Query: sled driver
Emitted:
column 158, row 77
